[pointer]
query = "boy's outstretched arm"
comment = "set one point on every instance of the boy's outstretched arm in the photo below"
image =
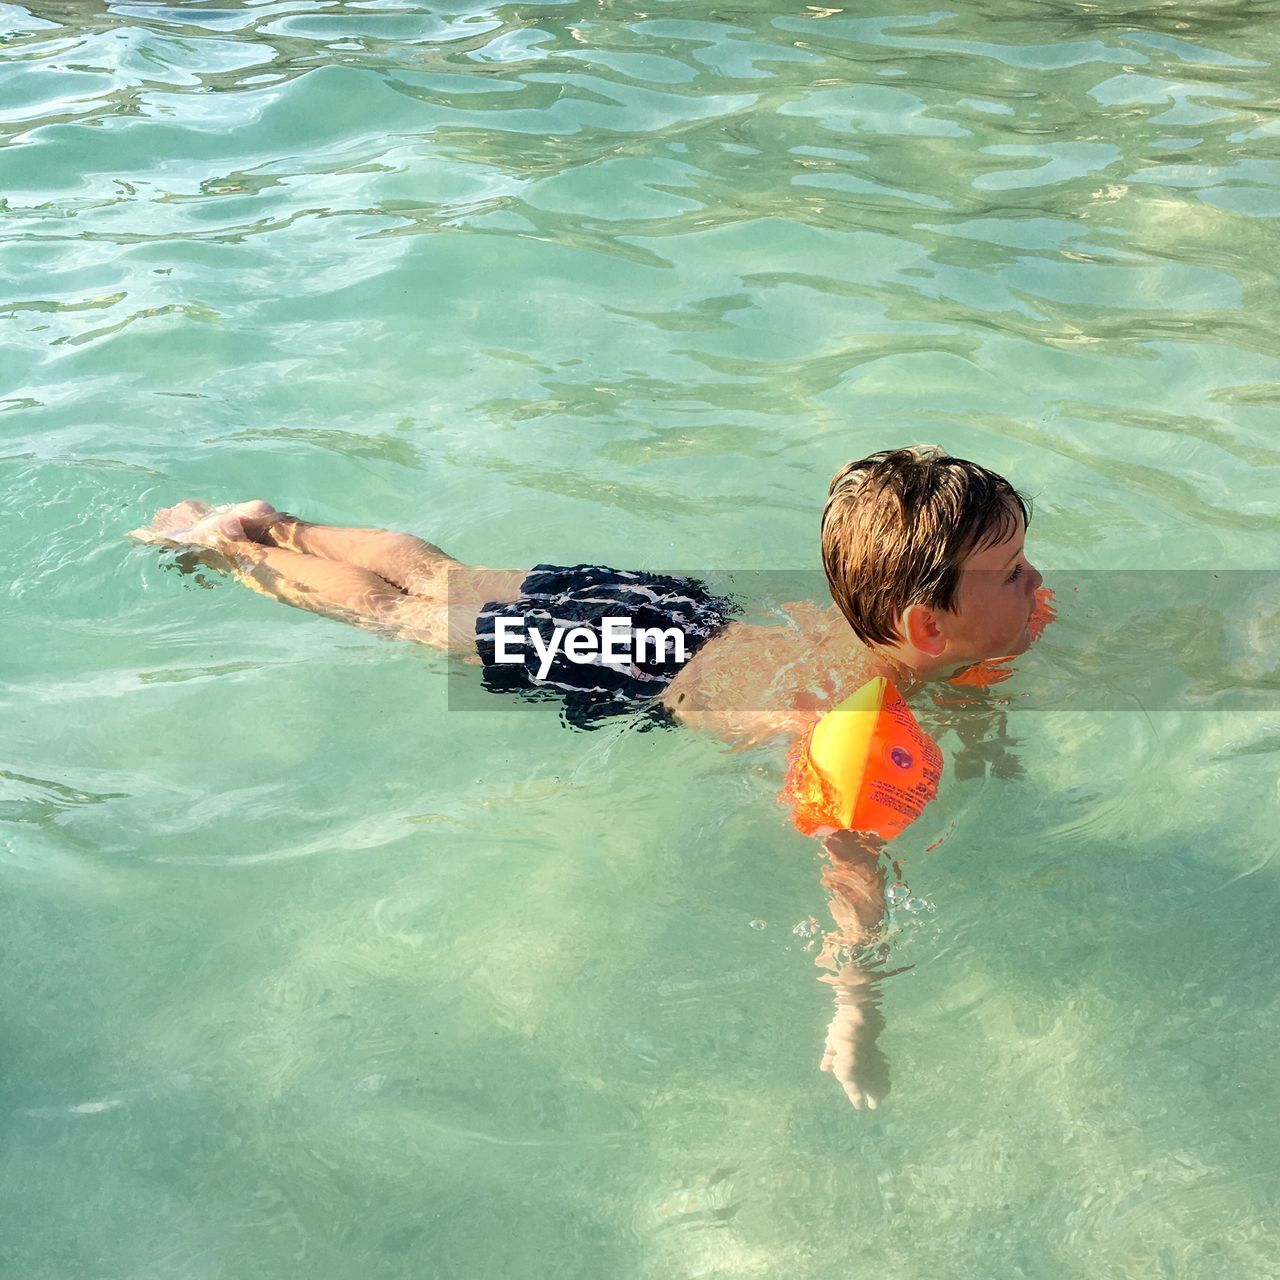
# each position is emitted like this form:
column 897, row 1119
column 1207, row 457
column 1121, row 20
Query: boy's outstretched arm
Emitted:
column 855, row 880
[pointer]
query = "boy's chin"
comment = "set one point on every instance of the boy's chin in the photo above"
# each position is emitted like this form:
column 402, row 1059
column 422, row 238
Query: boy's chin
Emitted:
column 1021, row 643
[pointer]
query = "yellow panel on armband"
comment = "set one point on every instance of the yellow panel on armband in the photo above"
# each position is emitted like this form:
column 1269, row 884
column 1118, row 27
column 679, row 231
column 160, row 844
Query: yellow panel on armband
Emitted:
column 865, row 766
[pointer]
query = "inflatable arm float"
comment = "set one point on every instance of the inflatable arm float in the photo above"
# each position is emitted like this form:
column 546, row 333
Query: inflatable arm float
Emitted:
column 865, row 766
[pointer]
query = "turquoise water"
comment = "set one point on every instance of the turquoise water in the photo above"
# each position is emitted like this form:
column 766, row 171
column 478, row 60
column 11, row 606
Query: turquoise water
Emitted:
column 306, row 973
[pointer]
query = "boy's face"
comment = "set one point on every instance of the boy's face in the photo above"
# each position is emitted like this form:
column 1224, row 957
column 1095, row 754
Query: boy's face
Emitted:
column 996, row 596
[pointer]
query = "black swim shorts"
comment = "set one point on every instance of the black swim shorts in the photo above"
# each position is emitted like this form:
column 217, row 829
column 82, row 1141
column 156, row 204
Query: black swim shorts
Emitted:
column 554, row 599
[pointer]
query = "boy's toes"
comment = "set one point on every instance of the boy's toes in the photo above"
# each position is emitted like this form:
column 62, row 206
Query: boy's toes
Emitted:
column 181, row 516
column 197, row 523
column 170, row 520
column 254, row 518
column 222, row 524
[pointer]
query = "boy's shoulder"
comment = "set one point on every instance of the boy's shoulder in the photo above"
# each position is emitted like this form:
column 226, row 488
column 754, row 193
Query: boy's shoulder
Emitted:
column 760, row 680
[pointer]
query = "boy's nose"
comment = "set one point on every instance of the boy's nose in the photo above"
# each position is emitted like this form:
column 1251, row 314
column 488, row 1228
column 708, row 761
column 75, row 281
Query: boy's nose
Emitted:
column 1034, row 579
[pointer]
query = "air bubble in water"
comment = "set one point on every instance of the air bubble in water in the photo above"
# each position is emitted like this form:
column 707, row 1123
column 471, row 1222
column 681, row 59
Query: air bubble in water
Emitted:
column 757, row 924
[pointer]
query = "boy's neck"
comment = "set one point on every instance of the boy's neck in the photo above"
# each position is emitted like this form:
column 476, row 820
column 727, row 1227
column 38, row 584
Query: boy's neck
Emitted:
column 905, row 665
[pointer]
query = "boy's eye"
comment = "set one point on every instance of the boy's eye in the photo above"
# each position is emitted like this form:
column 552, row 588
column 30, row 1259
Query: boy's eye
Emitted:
column 1016, row 574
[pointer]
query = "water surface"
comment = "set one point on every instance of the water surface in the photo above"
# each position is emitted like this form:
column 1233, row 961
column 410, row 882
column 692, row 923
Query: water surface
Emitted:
column 306, row 973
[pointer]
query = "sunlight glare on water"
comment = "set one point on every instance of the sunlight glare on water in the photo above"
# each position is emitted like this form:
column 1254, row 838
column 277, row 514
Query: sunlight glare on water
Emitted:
column 306, row 973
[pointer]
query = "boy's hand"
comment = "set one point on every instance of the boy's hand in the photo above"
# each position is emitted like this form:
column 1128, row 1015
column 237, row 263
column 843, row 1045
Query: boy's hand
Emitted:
column 851, row 1053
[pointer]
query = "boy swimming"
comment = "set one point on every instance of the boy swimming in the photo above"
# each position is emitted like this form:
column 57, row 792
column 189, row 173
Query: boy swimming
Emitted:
column 925, row 558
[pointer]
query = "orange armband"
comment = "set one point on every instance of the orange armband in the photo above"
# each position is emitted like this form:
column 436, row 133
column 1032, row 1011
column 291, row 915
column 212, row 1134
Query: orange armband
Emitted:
column 865, row 766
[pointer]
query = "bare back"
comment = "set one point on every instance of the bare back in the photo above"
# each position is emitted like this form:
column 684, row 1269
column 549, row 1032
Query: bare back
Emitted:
column 753, row 682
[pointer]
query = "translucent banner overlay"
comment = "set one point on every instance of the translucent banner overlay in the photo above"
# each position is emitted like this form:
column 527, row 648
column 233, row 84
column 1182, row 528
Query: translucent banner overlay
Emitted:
column 770, row 641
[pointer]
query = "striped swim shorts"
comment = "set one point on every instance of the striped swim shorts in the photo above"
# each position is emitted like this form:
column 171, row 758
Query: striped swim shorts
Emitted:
column 555, row 601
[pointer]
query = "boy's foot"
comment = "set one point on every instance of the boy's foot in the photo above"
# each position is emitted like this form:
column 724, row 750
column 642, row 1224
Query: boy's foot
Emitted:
column 197, row 524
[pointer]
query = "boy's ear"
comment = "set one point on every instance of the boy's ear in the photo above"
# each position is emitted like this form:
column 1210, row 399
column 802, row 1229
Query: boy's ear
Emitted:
column 920, row 626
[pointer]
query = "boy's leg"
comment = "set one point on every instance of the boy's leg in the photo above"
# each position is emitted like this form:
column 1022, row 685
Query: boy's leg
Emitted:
column 330, row 587
column 410, row 563
column 394, row 581
column 444, row 595
column 417, row 567
column 333, row 588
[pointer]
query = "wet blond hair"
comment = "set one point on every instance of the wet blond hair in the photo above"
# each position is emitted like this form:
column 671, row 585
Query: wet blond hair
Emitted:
column 898, row 525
